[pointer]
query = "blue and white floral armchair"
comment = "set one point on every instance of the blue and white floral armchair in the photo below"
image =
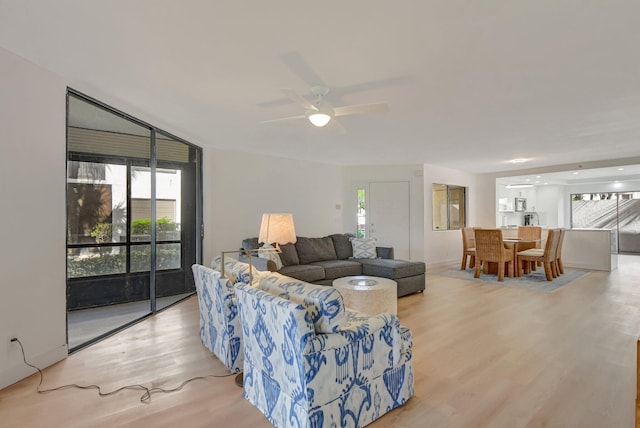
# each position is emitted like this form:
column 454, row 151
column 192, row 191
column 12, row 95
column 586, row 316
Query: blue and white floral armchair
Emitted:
column 309, row 362
column 220, row 329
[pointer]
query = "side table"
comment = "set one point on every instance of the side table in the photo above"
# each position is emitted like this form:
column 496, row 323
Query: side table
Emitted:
column 368, row 294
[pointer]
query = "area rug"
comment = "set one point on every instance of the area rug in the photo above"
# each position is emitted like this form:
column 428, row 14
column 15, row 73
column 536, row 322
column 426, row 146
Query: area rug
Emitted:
column 535, row 281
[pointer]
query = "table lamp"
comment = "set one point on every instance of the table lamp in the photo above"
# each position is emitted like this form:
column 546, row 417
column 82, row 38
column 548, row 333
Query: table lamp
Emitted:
column 278, row 229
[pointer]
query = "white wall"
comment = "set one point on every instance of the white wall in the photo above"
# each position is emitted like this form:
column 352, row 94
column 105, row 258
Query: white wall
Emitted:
column 359, row 177
column 240, row 187
column 444, row 247
column 32, row 259
column 552, row 205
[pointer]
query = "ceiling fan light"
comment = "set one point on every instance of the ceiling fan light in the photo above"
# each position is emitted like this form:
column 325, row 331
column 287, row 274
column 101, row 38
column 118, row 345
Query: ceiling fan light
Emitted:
column 319, row 118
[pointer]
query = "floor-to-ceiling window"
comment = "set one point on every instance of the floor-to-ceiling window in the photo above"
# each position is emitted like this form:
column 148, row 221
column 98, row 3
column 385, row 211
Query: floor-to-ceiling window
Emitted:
column 619, row 211
column 133, row 219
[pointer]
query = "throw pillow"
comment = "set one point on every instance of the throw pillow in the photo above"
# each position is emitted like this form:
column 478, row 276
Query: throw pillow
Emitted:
column 289, row 255
column 216, row 263
column 312, row 250
column 364, row 248
column 269, row 253
column 342, row 244
column 236, row 271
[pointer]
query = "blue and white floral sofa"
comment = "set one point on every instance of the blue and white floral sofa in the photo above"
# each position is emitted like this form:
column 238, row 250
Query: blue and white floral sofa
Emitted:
column 310, row 362
column 220, row 329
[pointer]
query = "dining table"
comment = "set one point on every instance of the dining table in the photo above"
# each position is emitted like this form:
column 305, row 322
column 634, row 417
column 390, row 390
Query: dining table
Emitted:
column 520, row 244
column 516, row 245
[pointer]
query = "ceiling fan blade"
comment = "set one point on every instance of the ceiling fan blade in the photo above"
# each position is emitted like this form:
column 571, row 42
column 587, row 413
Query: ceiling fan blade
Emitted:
column 296, row 63
column 284, row 119
column 294, row 96
column 360, row 108
column 337, row 127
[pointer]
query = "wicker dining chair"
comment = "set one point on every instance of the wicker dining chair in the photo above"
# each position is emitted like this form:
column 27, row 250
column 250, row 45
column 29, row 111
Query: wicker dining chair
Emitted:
column 532, row 233
column 547, row 256
column 558, row 264
column 491, row 248
column 468, row 247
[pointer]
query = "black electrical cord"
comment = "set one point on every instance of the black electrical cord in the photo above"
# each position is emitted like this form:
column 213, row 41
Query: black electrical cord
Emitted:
column 144, row 398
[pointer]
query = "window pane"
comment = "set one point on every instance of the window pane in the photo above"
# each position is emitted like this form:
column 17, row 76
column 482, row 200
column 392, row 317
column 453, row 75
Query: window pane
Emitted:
column 168, row 257
column 456, row 207
column 362, row 215
column 140, row 204
column 439, row 199
column 168, row 203
column 83, row 262
column 96, row 203
column 594, row 210
column 448, row 206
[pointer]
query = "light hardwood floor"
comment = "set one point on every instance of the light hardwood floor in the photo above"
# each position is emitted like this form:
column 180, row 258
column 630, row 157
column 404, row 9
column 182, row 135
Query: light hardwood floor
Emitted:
column 484, row 356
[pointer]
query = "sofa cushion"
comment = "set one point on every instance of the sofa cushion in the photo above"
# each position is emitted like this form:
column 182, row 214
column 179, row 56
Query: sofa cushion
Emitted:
column 315, row 249
column 325, row 306
column 342, row 245
column 364, row 248
column 289, row 255
column 250, row 244
column 338, row 268
column 392, row 269
column 308, row 273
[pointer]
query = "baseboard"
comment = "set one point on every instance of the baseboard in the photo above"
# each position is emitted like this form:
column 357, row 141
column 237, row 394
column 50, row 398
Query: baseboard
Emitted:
column 18, row 370
column 585, row 266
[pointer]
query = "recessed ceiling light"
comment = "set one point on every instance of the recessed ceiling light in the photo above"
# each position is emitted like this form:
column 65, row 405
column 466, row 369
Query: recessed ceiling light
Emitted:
column 620, row 169
column 528, row 179
column 538, row 176
column 576, row 173
column 518, row 186
column 537, row 181
column 520, row 160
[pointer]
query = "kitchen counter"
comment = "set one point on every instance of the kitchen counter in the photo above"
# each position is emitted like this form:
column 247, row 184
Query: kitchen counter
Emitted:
column 595, row 249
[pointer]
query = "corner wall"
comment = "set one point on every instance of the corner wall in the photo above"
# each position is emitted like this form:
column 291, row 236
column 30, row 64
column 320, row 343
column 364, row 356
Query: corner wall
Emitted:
column 32, row 259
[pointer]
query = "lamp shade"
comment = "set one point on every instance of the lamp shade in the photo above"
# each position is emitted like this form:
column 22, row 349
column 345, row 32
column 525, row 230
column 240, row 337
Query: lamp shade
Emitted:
column 277, row 228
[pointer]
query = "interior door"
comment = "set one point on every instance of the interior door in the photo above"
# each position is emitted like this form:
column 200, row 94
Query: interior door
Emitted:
column 389, row 216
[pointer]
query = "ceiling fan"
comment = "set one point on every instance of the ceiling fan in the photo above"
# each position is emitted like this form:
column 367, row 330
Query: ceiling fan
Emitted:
column 320, row 115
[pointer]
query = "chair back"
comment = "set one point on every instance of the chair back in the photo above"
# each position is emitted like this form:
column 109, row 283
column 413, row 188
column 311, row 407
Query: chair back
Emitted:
column 559, row 247
column 220, row 328
column 530, row 232
column 551, row 245
column 468, row 238
column 489, row 245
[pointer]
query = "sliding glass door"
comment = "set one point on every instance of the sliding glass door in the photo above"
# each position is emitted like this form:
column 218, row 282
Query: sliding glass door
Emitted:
column 133, row 216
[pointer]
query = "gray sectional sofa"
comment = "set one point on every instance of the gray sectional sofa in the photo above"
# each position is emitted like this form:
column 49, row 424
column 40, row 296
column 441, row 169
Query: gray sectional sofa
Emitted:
column 321, row 260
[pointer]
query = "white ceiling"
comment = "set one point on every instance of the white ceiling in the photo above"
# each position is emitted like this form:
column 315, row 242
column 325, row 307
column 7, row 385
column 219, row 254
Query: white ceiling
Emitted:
column 470, row 85
column 609, row 174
